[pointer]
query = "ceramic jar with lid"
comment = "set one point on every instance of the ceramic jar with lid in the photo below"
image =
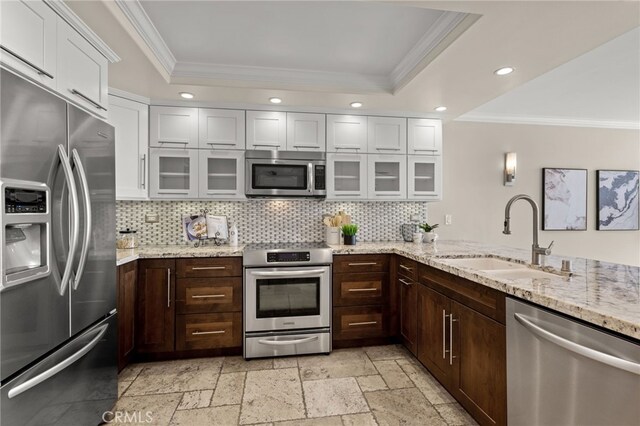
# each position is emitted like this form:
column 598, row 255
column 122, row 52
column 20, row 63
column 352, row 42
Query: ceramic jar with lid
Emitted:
column 127, row 239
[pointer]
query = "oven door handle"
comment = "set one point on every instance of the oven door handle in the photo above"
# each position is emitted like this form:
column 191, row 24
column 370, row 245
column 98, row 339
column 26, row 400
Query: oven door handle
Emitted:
column 287, row 274
column 286, row 342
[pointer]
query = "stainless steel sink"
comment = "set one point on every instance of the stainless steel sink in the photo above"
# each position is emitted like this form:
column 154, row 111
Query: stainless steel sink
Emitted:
column 485, row 263
column 525, row 273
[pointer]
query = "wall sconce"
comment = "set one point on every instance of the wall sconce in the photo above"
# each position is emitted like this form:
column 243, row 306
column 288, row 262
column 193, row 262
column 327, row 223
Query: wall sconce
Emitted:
column 510, row 163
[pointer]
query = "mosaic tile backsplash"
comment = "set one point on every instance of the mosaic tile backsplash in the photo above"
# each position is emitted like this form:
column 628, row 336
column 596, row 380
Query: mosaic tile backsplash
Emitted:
column 268, row 220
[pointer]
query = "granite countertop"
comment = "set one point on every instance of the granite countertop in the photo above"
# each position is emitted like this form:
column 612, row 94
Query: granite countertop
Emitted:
column 601, row 293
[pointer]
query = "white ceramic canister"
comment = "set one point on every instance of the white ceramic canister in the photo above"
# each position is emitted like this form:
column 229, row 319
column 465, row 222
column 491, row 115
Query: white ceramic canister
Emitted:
column 417, row 237
column 332, row 235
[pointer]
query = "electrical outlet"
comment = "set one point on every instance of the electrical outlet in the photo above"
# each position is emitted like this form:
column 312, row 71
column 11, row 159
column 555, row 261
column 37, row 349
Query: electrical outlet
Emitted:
column 151, row 218
column 447, row 219
column 416, row 218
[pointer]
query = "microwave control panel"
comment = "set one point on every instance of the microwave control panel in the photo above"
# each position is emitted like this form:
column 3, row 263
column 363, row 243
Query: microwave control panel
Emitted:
column 320, row 177
column 293, row 256
column 20, row 200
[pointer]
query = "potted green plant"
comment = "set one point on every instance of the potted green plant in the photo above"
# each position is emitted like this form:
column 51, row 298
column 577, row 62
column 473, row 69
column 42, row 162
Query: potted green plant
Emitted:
column 349, row 232
column 429, row 235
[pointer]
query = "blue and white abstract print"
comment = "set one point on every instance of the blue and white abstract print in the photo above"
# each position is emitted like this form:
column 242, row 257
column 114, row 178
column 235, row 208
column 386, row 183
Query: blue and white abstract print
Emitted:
column 618, row 200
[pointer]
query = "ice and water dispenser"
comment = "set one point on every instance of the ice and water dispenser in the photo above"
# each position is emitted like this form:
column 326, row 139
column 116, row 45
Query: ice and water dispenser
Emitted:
column 26, row 232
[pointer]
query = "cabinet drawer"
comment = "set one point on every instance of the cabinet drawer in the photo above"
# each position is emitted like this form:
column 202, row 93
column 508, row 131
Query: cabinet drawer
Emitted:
column 210, row 267
column 359, row 289
column 202, row 295
column 407, row 268
column 358, row 322
column 361, row 263
column 209, row 331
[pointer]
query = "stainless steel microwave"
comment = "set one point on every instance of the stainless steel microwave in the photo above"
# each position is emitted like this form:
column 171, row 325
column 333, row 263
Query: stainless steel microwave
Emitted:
column 285, row 174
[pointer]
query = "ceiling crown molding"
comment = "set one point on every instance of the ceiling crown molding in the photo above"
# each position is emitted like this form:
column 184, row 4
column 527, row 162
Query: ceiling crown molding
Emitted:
column 549, row 121
column 72, row 19
column 134, row 11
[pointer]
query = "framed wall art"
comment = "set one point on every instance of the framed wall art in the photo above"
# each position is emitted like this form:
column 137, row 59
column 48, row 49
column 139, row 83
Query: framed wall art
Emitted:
column 617, row 200
column 564, row 204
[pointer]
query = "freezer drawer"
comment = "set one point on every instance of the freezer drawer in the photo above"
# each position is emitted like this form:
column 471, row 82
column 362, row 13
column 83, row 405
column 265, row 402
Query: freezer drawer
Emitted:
column 561, row 372
column 77, row 393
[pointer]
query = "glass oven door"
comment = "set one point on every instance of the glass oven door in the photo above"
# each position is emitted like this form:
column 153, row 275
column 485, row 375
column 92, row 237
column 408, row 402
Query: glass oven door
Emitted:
column 287, row 298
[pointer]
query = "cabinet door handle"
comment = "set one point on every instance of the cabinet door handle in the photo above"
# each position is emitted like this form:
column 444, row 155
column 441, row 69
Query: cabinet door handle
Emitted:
column 406, row 268
column 404, row 282
column 88, row 99
column 362, row 289
column 143, row 169
column 207, row 268
column 178, row 142
column 363, row 264
column 351, row 324
column 207, row 296
column 307, row 146
column 32, row 65
column 168, row 287
column 451, row 321
column 222, row 143
column 444, row 334
column 381, row 148
column 198, row 333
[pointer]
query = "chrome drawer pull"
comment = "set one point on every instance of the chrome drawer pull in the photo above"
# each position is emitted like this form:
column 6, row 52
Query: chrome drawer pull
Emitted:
column 206, row 268
column 363, row 264
column 406, row 268
column 363, row 289
column 351, row 324
column 404, row 282
column 269, row 342
column 207, row 296
column 198, row 333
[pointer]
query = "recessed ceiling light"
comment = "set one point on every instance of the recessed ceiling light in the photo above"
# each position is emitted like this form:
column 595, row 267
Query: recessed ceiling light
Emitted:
column 356, row 104
column 186, row 95
column 440, row 108
column 275, row 100
column 504, row 71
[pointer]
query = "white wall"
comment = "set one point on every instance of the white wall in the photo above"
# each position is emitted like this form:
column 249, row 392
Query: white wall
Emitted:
column 476, row 197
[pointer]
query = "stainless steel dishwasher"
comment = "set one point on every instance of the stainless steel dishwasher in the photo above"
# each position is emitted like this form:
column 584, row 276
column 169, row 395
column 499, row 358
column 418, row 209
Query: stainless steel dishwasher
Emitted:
column 561, row 372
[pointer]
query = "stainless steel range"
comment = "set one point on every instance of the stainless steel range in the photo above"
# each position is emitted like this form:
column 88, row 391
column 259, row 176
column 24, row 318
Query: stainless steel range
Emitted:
column 287, row 299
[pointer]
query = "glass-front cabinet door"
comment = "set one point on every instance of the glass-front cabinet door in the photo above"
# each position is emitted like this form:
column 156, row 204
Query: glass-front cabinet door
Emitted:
column 424, row 178
column 346, row 176
column 174, row 173
column 387, row 177
column 221, row 174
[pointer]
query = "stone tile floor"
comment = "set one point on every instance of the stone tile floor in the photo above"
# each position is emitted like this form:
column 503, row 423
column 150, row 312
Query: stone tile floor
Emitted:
column 383, row 385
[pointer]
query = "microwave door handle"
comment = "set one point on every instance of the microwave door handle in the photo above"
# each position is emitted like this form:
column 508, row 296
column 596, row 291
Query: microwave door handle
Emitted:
column 62, row 159
column 311, row 177
column 84, row 186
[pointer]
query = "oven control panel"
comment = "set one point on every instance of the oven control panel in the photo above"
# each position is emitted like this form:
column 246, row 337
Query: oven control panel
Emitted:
column 288, row 256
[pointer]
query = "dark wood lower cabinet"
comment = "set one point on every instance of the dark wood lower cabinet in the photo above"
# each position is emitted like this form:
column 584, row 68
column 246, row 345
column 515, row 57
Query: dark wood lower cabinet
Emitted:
column 126, row 296
column 155, row 321
column 209, row 331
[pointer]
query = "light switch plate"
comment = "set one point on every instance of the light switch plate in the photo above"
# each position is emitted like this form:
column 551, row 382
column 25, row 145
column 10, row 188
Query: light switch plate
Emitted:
column 151, row 218
column 416, row 218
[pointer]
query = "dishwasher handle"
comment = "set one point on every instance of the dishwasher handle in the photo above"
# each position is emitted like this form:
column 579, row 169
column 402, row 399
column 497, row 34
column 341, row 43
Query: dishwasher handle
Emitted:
column 613, row 361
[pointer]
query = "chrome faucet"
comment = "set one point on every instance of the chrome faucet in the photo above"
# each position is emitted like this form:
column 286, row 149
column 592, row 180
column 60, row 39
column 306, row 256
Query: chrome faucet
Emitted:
column 536, row 250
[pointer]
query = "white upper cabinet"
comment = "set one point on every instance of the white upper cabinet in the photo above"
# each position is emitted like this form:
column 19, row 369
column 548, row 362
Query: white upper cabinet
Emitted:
column 28, row 39
column 346, row 133
column 387, row 135
column 424, row 136
column 221, row 174
column 387, row 177
column 221, row 129
column 173, row 173
column 424, row 180
column 346, row 176
column 266, row 130
column 172, row 127
column 82, row 71
column 131, row 122
column 305, row 132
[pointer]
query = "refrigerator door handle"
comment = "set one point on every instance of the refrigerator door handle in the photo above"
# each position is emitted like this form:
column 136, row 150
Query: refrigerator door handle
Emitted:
column 99, row 332
column 84, row 186
column 63, row 160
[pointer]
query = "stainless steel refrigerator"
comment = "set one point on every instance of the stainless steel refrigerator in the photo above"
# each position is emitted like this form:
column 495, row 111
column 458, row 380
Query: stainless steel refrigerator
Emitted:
column 58, row 292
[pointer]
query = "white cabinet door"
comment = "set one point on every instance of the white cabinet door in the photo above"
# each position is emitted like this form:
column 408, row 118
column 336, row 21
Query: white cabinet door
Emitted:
column 221, row 174
column 28, row 39
column 387, row 177
column 82, row 71
column 305, row 132
column 221, row 128
column 266, row 130
column 173, row 173
column 131, row 122
column 346, row 176
column 424, row 178
column 346, row 133
column 387, row 135
column 173, row 127
column 424, row 136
